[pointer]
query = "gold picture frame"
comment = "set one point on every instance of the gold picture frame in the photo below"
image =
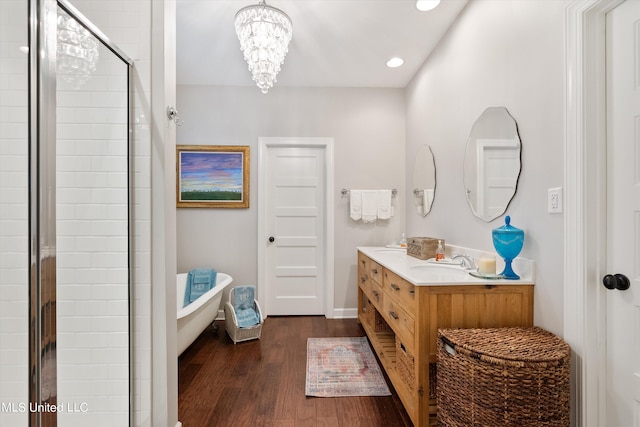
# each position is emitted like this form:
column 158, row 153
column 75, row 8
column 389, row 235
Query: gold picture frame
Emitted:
column 212, row 176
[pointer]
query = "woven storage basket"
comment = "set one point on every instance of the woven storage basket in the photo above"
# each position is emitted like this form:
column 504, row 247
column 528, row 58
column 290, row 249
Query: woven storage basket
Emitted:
column 379, row 324
column 236, row 333
column 422, row 247
column 502, row 377
column 405, row 366
column 368, row 311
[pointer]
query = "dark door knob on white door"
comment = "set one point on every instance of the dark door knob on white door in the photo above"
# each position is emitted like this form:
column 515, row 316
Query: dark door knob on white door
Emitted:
column 616, row 281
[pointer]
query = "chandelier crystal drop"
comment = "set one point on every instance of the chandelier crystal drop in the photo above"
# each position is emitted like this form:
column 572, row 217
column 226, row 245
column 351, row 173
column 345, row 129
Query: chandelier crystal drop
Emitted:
column 77, row 51
column 264, row 33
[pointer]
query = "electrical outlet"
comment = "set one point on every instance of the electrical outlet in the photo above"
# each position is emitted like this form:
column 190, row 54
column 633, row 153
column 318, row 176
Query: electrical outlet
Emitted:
column 554, row 200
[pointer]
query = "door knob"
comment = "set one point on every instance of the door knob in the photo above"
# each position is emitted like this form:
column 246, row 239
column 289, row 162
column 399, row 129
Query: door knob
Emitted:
column 272, row 239
column 616, row 281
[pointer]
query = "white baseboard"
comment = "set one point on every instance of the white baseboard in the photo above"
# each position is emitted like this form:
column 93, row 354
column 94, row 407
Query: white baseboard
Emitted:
column 178, row 424
column 344, row 313
column 337, row 313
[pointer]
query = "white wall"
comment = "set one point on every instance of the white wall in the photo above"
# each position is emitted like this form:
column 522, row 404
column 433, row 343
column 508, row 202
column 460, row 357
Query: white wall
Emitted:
column 368, row 127
column 498, row 53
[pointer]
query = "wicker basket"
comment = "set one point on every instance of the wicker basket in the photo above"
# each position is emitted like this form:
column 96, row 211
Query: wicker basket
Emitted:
column 379, row 324
column 423, row 247
column 405, row 365
column 236, row 333
column 502, row 377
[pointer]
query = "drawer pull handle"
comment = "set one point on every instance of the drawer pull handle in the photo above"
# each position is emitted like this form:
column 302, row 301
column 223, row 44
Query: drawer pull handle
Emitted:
column 363, row 279
column 412, row 291
column 374, row 271
column 375, row 294
column 395, row 287
column 393, row 314
column 363, row 262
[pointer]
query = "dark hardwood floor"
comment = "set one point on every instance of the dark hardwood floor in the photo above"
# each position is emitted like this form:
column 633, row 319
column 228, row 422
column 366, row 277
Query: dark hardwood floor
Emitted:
column 262, row 382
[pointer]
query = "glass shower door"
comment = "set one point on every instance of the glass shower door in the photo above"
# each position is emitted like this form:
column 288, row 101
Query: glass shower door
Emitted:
column 64, row 220
column 92, row 230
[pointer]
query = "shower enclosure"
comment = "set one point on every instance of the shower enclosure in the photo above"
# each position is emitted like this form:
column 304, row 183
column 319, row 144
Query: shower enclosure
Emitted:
column 65, row 233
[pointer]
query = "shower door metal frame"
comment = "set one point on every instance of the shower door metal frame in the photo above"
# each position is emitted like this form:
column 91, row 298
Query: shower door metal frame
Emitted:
column 42, row 199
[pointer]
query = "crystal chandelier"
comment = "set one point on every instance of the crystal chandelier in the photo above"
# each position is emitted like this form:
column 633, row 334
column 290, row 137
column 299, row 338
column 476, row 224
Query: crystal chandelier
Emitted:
column 264, row 33
column 77, row 51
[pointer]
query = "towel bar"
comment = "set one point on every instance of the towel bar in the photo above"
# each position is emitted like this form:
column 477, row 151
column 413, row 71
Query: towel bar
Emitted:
column 344, row 192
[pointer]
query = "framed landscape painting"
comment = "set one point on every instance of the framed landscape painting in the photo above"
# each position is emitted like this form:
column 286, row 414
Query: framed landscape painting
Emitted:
column 212, row 176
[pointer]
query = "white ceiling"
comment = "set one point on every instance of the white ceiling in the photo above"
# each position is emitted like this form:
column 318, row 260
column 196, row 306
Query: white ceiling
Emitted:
column 336, row 43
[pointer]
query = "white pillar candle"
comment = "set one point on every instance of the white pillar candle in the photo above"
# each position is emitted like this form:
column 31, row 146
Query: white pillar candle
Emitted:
column 487, row 265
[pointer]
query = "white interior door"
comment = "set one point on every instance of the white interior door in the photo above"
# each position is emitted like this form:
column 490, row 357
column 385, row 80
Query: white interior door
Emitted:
column 623, row 214
column 498, row 171
column 295, row 229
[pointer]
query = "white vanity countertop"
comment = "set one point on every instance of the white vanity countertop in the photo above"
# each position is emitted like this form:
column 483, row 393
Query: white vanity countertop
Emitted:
column 423, row 273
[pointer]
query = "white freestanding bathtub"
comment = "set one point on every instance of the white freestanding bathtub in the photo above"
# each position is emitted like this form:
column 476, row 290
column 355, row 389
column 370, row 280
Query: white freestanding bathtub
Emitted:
column 195, row 317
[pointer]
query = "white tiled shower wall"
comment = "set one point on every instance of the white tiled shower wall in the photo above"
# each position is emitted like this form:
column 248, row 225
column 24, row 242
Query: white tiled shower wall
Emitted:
column 13, row 212
column 127, row 23
column 92, row 247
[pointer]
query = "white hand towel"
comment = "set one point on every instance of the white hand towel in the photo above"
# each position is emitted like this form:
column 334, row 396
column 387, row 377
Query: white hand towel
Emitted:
column 369, row 205
column 384, row 204
column 427, row 200
column 355, row 204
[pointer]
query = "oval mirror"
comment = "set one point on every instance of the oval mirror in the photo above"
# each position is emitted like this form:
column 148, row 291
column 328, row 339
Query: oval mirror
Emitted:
column 424, row 180
column 492, row 163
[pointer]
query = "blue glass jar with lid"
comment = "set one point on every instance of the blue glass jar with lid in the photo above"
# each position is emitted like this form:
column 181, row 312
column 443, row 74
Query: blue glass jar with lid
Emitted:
column 508, row 241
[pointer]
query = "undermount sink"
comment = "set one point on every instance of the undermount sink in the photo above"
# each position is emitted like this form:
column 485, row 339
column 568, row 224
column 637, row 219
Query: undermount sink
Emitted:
column 438, row 273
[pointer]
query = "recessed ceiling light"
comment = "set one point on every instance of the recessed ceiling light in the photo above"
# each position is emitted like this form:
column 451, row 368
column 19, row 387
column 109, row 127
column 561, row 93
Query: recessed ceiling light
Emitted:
column 424, row 5
column 395, row 62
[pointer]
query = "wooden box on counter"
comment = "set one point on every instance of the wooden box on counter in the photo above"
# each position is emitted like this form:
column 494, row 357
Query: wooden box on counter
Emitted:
column 423, row 247
column 407, row 348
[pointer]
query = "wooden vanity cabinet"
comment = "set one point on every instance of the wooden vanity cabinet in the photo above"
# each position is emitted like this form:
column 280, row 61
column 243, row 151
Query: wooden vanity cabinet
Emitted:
column 402, row 322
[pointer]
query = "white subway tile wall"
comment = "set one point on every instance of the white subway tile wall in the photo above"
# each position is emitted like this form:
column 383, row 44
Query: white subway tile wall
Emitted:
column 128, row 24
column 14, row 244
column 92, row 246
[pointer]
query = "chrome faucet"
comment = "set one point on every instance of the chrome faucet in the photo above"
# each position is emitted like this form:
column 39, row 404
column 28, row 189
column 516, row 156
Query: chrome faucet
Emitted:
column 466, row 259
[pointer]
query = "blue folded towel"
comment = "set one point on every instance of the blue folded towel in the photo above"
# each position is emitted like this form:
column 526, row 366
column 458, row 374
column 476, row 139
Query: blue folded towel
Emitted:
column 243, row 305
column 199, row 281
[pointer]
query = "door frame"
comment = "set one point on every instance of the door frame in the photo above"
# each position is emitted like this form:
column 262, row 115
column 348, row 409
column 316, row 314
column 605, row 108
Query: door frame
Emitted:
column 264, row 143
column 585, row 313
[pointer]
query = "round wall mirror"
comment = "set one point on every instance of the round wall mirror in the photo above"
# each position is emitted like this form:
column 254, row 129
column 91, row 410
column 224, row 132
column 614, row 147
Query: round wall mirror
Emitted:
column 492, row 163
column 424, row 180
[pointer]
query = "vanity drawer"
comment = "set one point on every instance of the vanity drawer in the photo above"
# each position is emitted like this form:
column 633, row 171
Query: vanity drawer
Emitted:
column 376, row 295
column 371, row 289
column 371, row 268
column 363, row 261
column 400, row 321
column 363, row 281
column 375, row 272
column 401, row 291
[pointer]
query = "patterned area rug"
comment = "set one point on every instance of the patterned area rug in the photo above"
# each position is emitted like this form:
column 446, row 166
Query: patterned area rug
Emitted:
column 343, row 367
